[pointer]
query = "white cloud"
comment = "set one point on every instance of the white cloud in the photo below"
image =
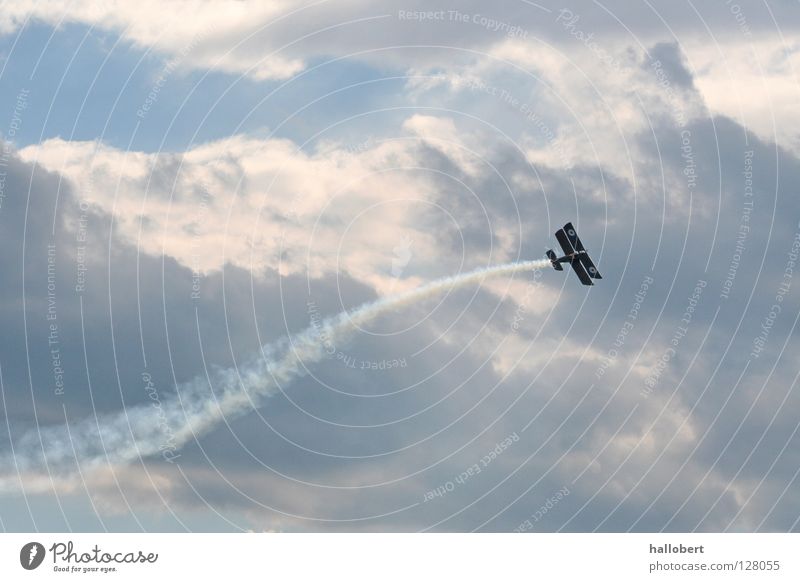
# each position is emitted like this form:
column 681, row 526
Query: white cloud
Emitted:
column 754, row 82
column 262, row 203
column 204, row 34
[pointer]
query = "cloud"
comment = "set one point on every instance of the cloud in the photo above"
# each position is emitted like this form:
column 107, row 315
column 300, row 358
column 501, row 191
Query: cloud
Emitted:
column 255, row 202
column 670, row 58
column 617, row 451
column 644, row 400
column 276, row 40
column 206, row 40
column 628, row 454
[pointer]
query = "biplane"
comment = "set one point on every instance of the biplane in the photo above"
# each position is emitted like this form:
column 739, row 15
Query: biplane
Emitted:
column 574, row 254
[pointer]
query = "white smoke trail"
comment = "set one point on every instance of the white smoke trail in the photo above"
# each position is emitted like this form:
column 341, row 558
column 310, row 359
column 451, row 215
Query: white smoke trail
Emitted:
column 166, row 425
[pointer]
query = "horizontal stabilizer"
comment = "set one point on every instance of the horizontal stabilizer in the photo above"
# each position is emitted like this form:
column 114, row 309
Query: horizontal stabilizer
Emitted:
column 552, row 256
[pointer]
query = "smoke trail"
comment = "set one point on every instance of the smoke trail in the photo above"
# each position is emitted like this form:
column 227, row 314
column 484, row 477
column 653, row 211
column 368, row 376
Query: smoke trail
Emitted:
column 164, row 426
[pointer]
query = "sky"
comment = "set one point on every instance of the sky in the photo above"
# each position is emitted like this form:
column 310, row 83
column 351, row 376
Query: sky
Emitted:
column 195, row 203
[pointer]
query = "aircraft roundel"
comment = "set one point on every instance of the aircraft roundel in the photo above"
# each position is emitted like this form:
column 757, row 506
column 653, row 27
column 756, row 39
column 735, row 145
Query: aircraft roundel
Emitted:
column 592, row 270
column 571, row 232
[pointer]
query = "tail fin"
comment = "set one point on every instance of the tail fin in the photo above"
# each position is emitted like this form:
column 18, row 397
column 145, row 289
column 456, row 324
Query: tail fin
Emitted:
column 552, row 256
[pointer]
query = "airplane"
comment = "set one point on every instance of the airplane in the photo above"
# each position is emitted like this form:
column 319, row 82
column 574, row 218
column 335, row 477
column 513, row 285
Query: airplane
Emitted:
column 574, row 254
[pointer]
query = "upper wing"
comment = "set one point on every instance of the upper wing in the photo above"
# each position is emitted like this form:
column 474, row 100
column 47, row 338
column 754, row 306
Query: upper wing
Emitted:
column 572, row 236
column 563, row 240
column 581, row 272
